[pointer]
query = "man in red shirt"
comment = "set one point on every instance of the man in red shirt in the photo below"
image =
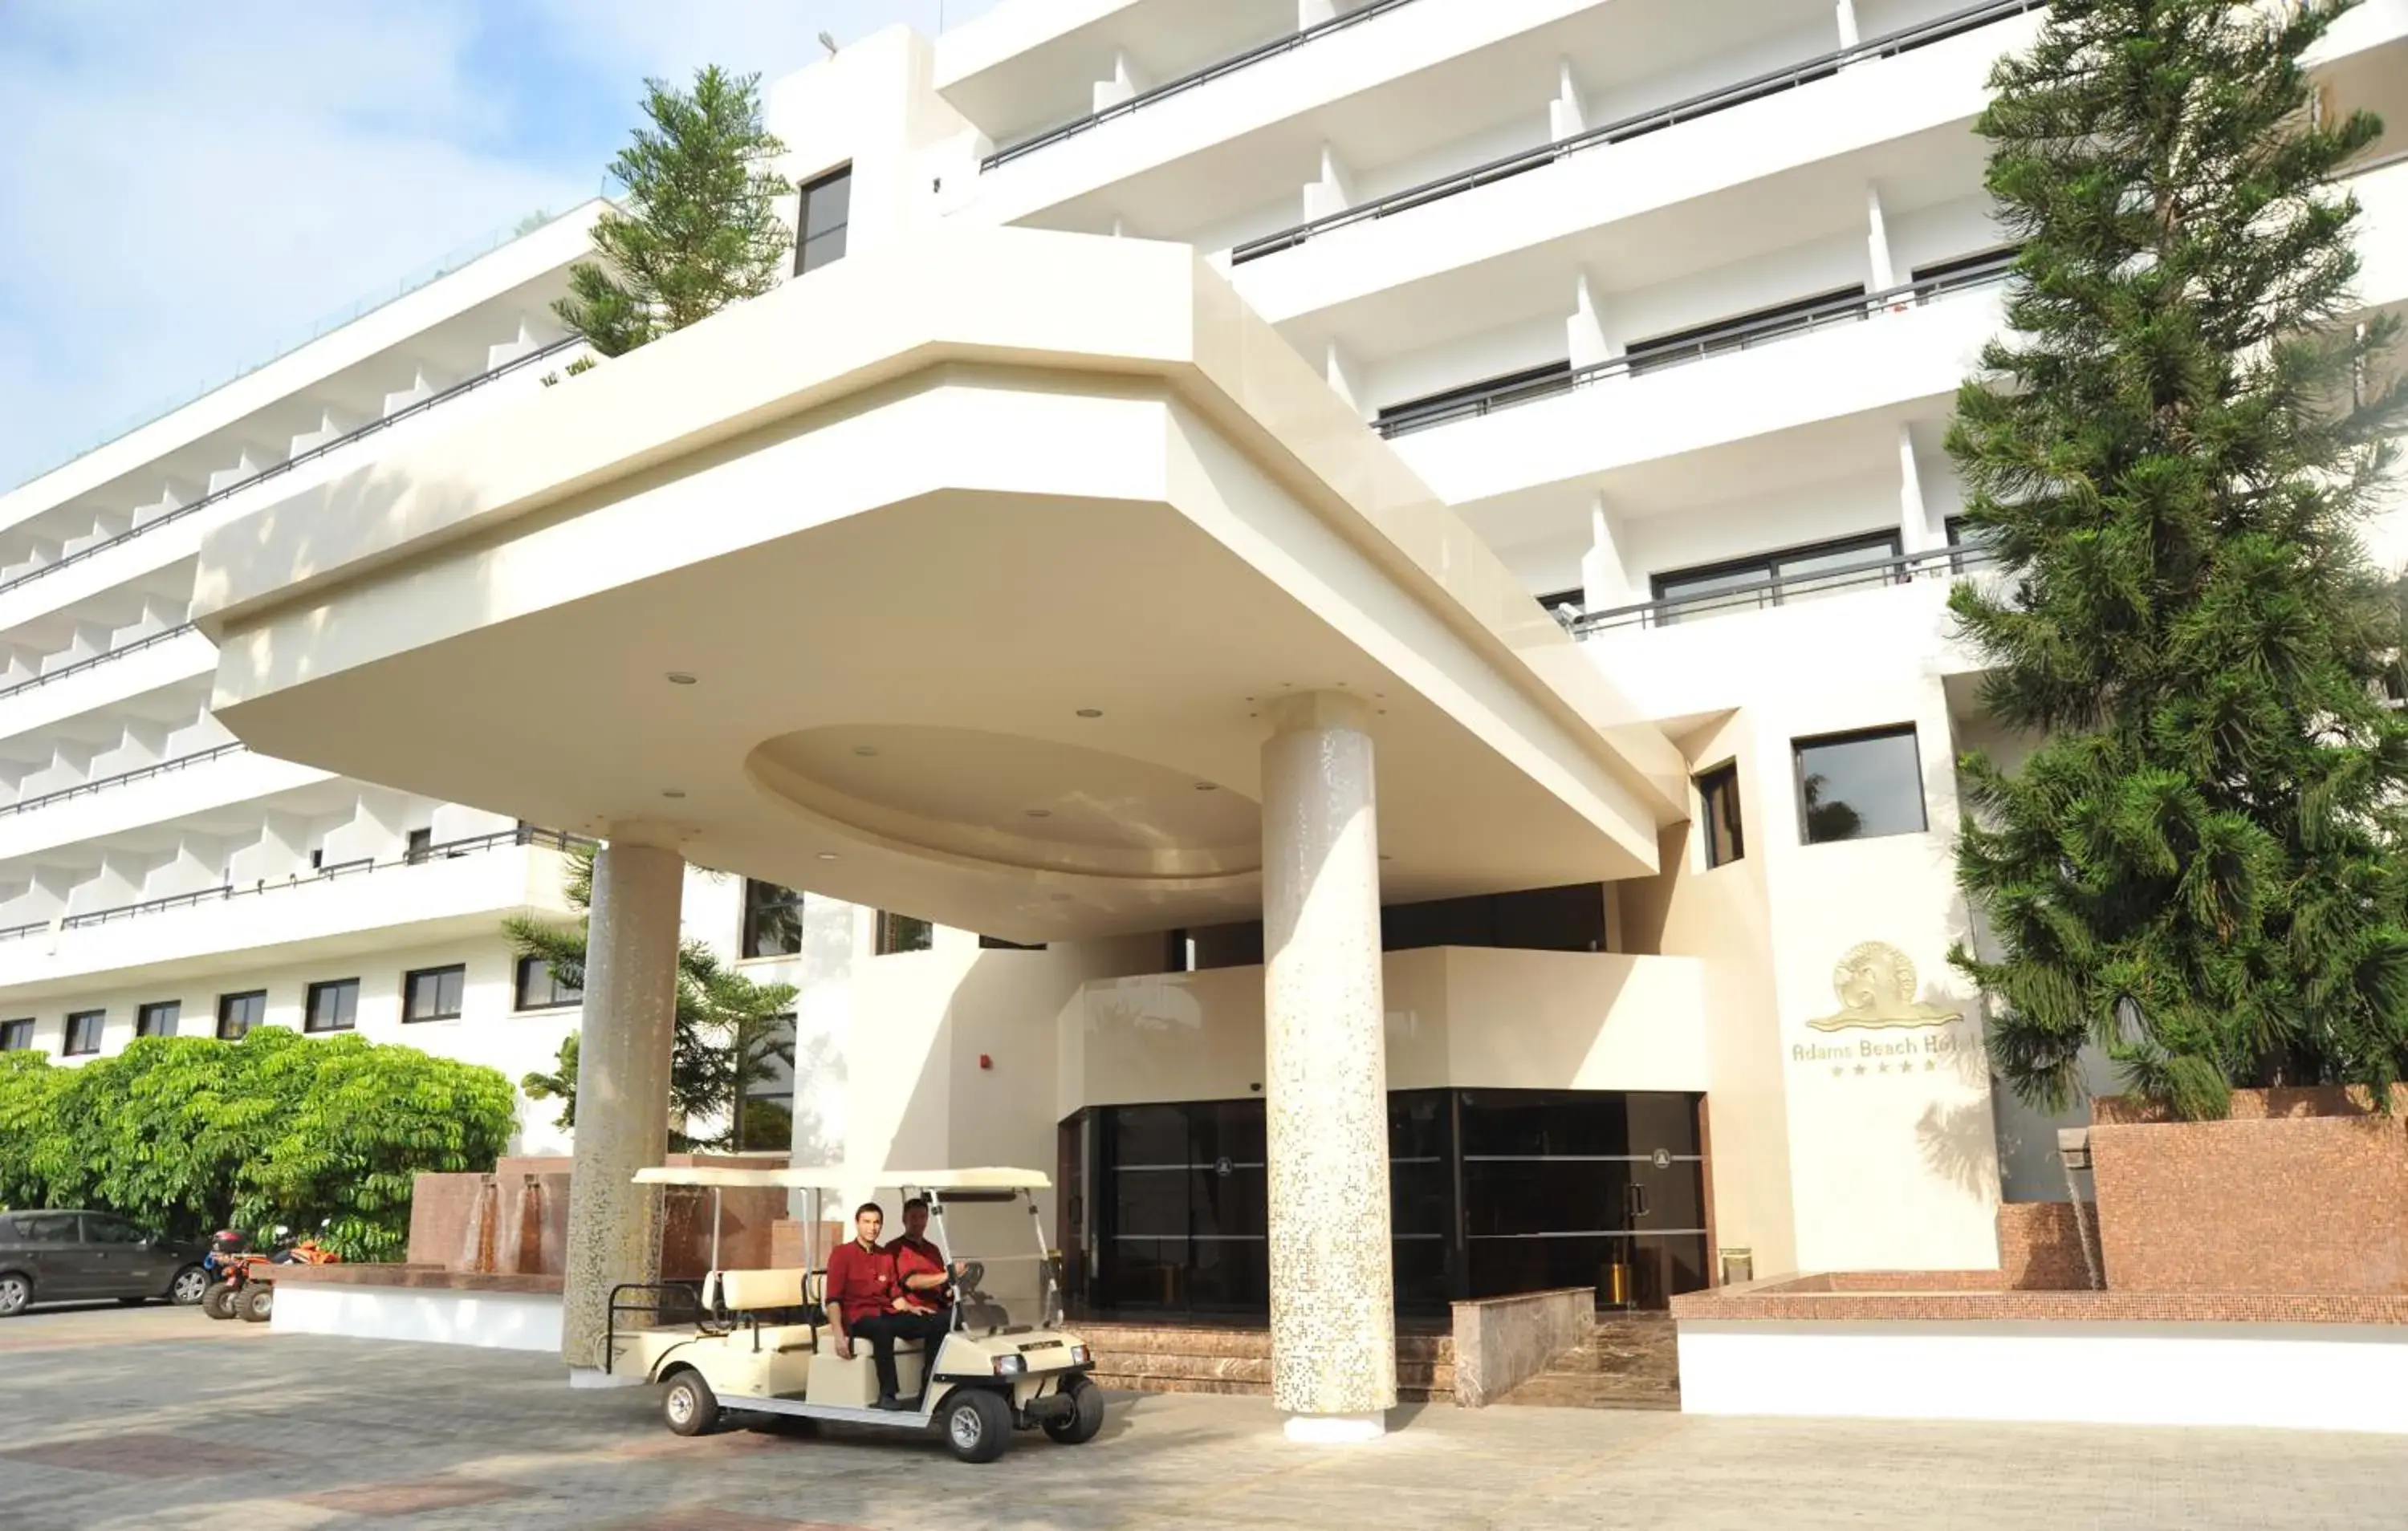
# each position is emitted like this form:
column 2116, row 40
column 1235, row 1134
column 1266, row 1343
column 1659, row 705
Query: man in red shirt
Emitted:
column 866, row 1302
column 923, row 1274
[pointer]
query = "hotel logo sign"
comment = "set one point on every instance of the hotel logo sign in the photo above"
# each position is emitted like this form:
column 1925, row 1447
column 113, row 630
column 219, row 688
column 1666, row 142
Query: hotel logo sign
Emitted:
column 1875, row 985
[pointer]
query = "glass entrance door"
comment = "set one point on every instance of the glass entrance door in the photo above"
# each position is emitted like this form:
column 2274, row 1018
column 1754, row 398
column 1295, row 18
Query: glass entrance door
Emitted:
column 1186, row 1192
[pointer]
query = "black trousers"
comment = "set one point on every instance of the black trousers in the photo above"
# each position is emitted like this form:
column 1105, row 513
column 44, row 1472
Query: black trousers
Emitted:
column 883, row 1329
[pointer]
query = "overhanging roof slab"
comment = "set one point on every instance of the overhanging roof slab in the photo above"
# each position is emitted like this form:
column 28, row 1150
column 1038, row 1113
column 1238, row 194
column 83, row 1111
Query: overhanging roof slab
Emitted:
column 982, row 557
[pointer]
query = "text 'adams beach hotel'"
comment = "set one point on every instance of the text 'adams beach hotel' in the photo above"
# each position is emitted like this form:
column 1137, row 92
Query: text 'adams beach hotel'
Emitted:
column 1443, row 495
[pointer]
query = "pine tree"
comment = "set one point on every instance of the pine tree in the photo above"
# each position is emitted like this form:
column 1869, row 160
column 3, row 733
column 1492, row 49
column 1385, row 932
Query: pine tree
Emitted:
column 730, row 1032
column 2198, row 869
column 702, row 228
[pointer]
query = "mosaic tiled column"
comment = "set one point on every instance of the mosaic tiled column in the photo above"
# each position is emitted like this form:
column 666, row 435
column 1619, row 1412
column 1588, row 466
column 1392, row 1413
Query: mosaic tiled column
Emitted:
column 623, row 1089
column 1333, row 1319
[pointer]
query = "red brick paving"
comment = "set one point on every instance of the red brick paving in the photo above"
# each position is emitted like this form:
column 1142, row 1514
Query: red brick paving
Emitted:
column 410, row 1498
column 145, row 1456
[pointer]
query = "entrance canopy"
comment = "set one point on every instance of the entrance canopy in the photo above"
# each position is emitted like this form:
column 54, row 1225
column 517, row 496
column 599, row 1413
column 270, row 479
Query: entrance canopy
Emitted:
column 954, row 582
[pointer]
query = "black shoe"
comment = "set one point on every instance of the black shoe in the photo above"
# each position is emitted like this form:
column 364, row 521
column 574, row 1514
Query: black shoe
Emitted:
column 912, row 1404
column 887, row 1401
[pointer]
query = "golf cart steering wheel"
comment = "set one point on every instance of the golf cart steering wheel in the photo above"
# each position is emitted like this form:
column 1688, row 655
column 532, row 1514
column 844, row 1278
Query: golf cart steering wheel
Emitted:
column 972, row 1273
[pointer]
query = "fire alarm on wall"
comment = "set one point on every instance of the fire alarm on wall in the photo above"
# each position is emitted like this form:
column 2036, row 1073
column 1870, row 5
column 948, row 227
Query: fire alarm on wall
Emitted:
column 985, row 1062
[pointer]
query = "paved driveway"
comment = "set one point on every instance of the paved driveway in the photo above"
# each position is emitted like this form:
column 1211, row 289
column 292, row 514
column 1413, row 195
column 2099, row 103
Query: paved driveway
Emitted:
column 122, row 1419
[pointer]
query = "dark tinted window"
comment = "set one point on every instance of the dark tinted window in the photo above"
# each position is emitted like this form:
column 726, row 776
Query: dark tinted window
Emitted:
column 902, row 933
column 110, row 1230
column 1776, row 578
column 433, row 993
column 540, row 989
column 16, row 1036
column 159, row 1018
column 333, row 1007
column 1718, row 802
column 1859, row 786
column 45, row 1228
column 415, row 848
column 239, row 1013
column 826, row 214
column 83, row 1031
column 773, row 919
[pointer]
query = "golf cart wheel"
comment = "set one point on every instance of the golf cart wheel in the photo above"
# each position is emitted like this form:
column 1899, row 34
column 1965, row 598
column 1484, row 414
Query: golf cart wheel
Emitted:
column 191, row 1286
column 1086, row 1414
column 977, row 1423
column 219, row 1301
column 257, row 1304
column 16, row 1292
column 689, row 1408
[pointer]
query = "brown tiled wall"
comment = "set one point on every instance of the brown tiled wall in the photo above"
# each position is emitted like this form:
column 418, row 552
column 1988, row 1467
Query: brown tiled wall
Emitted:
column 2298, row 1192
column 2039, row 1248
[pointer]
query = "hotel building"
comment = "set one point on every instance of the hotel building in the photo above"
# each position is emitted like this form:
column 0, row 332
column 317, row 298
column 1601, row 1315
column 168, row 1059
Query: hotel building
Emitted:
column 1336, row 611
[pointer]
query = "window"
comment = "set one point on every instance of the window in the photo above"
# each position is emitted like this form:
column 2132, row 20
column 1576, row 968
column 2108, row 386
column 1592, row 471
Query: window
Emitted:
column 98, row 1229
column 540, row 989
column 333, row 1006
column 827, row 213
column 1739, row 330
column 46, row 1228
column 996, row 943
column 16, row 1036
column 1476, row 398
column 1776, row 578
column 901, row 932
column 158, row 1018
column 773, row 919
column 239, row 1013
column 1964, row 271
column 765, row 1108
column 83, row 1032
column 432, row 994
column 1718, row 804
column 1859, row 786
column 420, row 842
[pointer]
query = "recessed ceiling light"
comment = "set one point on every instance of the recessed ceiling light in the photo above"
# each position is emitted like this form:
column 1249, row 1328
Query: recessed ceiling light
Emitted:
column 827, row 855
column 679, row 677
column 865, row 751
column 1091, row 712
column 1059, row 898
column 672, row 791
column 1041, row 813
column 1208, row 786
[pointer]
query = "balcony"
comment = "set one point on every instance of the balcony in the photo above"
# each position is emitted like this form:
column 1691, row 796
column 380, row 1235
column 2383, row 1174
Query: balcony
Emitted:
column 1637, row 125
column 1467, row 1016
column 149, row 663
column 1904, row 347
column 1706, row 651
column 163, row 792
column 461, row 888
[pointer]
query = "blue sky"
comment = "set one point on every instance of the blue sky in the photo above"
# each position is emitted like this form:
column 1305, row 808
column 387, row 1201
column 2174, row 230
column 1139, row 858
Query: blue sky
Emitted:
column 186, row 186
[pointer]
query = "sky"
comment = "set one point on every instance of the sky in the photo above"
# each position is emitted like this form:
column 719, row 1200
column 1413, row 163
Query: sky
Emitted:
column 186, row 190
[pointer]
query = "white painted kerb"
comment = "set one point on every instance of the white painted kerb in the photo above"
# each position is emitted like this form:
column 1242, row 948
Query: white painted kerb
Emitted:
column 502, row 1321
column 2298, row 1377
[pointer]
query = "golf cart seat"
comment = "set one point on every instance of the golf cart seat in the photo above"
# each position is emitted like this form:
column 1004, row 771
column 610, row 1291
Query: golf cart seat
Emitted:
column 766, row 1295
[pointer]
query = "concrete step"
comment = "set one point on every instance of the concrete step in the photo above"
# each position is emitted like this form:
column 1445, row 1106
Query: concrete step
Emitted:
column 1166, row 1358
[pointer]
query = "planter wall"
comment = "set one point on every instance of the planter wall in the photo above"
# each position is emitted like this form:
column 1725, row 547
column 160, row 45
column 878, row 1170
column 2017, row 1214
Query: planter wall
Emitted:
column 2303, row 1191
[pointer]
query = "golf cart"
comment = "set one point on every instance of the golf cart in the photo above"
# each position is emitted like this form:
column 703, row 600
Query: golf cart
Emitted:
column 757, row 1342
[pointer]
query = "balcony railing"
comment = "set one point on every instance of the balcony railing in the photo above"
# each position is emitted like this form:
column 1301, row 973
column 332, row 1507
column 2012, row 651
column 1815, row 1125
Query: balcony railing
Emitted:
column 85, row 789
column 1938, row 564
column 1744, row 335
column 310, row 455
column 148, row 640
column 1189, row 81
column 550, row 838
column 1705, row 104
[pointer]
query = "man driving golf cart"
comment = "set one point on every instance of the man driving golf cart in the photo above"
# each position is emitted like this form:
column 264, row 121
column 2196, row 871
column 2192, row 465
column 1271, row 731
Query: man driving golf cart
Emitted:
column 788, row 1341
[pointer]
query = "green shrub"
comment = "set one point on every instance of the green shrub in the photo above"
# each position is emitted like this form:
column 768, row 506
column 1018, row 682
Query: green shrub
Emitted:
column 186, row 1133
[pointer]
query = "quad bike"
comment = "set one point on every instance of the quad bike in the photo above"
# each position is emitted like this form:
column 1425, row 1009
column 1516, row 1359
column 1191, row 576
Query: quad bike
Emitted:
column 243, row 1282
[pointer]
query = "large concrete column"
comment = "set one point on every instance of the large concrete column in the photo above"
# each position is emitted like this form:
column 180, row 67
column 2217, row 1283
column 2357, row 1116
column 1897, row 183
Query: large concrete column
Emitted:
column 1333, row 1315
column 622, row 1087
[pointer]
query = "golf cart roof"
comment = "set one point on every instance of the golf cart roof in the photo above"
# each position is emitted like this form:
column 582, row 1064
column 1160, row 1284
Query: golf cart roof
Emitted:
column 833, row 1177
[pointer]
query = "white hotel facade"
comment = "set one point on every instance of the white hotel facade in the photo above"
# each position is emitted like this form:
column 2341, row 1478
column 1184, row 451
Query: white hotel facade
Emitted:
column 1649, row 311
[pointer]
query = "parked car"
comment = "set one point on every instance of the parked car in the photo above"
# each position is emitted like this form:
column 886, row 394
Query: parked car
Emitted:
column 79, row 1256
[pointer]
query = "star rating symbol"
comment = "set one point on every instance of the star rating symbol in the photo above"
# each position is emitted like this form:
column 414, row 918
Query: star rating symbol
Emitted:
column 1930, row 1063
column 1837, row 1070
column 1885, row 1068
column 1860, row 1068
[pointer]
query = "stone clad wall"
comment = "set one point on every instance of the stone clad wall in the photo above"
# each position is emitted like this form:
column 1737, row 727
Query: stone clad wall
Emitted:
column 515, row 1220
column 2299, row 1191
column 1501, row 1341
column 2040, row 1247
